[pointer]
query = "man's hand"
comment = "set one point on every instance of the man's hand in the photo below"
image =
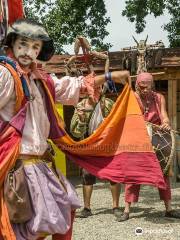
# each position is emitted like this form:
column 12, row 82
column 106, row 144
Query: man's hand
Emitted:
column 165, row 126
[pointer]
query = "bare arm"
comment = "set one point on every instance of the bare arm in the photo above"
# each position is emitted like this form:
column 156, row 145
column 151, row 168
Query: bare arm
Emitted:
column 68, row 88
column 117, row 76
column 165, row 119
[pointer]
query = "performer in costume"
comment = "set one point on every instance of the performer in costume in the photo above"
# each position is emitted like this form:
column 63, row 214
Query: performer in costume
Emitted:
column 87, row 116
column 153, row 107
column 53, row 198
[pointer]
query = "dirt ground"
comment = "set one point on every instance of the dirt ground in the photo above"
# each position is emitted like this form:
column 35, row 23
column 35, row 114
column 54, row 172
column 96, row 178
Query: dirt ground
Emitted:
column 146, row 215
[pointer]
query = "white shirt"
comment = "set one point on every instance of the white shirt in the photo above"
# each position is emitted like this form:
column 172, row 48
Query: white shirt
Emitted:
column 37, row 125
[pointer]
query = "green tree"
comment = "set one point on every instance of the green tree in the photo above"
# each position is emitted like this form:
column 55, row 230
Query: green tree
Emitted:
column 137, row 10
column 65, row 19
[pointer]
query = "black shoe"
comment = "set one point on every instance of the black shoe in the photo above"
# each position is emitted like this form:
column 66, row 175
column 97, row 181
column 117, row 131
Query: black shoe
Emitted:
column 172, row 214
column 117, row 212
column 86, row 212
column 123, row 217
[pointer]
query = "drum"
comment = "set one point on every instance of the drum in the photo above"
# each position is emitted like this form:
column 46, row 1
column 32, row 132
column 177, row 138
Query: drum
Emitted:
column 163, row 142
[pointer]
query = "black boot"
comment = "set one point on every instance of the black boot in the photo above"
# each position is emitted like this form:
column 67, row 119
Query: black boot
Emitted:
column 172, row 214
column 117, row 212
column 86, row 212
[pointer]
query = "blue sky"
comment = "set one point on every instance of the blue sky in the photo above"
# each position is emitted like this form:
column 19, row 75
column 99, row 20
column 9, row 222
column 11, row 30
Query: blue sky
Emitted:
column 121, row 30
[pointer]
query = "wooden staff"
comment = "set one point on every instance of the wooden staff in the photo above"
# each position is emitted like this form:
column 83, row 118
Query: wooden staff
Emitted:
column 154, row 74
column 133, row 78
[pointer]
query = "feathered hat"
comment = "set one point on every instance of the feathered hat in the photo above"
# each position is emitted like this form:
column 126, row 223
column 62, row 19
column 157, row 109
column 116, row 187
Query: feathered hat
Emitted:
column 30, row 29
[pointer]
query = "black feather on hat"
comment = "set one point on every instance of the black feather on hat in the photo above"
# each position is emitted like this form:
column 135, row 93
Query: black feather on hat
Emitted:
column 33, row 30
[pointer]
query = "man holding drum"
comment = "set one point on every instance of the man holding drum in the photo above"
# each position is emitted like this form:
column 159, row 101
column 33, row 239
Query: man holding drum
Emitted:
column 153, row 107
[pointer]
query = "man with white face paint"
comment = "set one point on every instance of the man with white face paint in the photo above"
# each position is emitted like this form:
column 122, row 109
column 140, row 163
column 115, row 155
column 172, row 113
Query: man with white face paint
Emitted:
column 26, row 50
column 26, row 95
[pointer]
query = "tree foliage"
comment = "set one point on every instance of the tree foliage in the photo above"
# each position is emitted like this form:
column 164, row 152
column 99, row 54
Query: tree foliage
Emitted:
column 137, row 10
column 65, row 19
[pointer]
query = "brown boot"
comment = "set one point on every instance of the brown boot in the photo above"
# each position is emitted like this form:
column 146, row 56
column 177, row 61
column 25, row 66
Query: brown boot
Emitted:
column 123, row 217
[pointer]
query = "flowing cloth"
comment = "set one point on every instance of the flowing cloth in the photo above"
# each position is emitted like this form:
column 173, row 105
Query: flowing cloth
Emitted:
column 119, row 150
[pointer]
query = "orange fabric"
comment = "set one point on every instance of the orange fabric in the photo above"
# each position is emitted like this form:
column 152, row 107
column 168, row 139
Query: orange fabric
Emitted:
column 18, row 86
column 125, row 116
column 10, row 141
column 5, row 225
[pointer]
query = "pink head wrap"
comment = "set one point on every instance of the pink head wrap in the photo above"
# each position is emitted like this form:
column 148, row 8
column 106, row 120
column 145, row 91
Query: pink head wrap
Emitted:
column 145, row 76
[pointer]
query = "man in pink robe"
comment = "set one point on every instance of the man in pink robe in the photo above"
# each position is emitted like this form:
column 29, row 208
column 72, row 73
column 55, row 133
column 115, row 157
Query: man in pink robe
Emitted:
column 153, row 107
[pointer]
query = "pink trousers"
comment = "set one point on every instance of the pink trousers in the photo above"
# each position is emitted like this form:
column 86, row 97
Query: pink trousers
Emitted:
column 132, row 192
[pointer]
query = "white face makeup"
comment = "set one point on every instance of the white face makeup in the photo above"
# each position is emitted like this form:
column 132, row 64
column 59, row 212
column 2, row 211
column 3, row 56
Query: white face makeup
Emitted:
column 26, row 50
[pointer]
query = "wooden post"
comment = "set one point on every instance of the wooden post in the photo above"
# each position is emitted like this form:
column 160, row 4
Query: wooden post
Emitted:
column 172, row 112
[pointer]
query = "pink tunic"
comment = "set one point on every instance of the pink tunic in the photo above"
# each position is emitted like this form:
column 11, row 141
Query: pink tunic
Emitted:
column 153, row 114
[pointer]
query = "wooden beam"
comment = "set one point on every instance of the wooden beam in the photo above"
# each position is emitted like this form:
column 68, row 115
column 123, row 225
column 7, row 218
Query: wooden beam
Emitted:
column 172, row 102
column 161, row 74
column 178, row 128
column 172, row 112
column 170, row 59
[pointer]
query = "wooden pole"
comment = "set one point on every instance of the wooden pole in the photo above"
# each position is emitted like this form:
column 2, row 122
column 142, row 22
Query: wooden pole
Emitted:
column 133, row 78
column 172, row 112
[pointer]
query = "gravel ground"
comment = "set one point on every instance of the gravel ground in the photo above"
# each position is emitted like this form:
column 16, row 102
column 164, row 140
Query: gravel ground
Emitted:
column 147, row 215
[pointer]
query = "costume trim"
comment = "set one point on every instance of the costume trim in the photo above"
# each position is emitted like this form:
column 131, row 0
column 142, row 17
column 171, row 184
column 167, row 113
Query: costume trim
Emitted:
column 9, row 64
